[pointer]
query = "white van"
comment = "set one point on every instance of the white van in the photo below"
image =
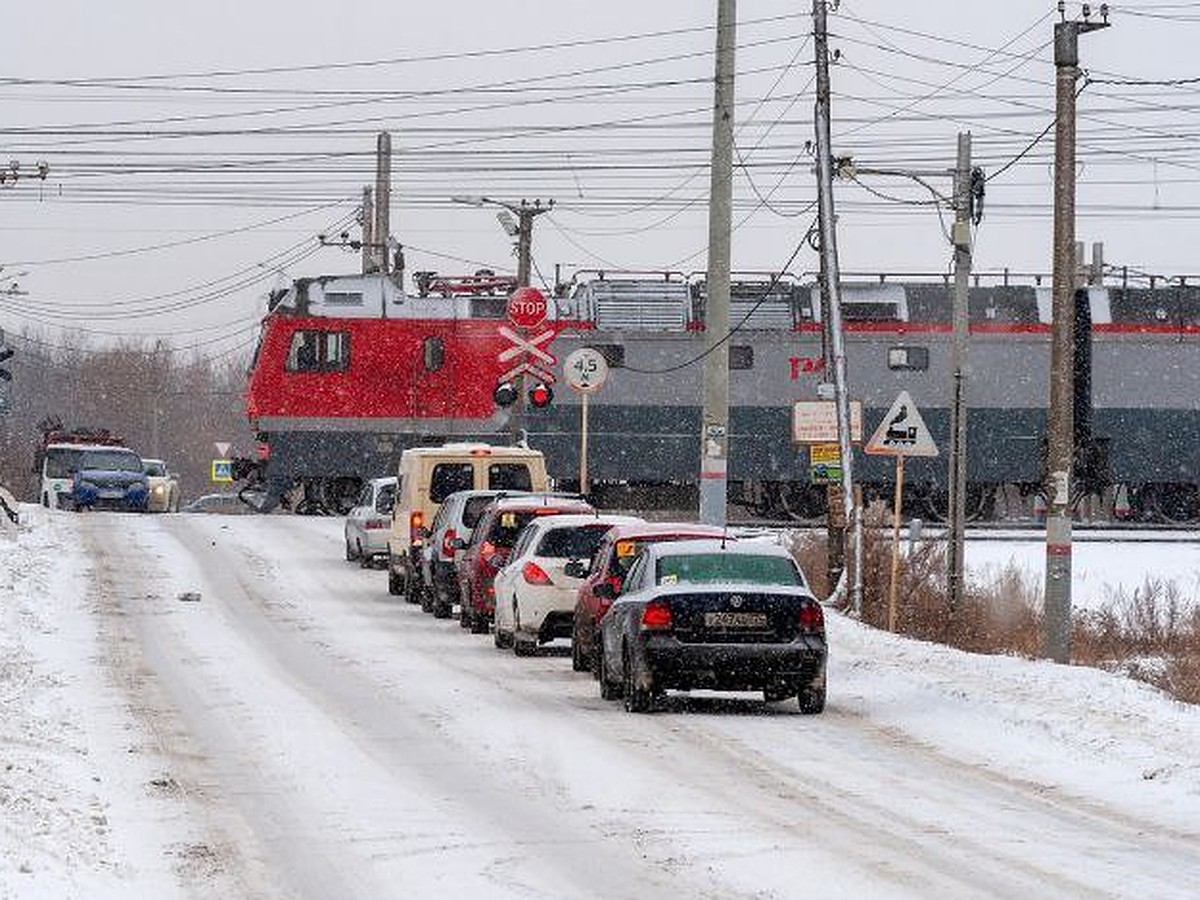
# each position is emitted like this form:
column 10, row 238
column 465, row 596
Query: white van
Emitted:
column 428, row 475
column 59, row 462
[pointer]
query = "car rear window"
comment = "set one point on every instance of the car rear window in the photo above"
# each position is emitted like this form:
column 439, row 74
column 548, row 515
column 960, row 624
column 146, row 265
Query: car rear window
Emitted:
column 474, row 508
column 509, row 477
column 627, row 549
column 448, row 478
column 716, row 567
column 507, row 526
column 576, row 542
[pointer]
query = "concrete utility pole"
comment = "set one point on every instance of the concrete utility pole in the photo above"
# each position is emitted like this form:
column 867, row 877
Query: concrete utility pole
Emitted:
column 958, row 398
column 829, row 265
column 714, row 417
column 1060, row 432
column 382, row 230
column 368, row 222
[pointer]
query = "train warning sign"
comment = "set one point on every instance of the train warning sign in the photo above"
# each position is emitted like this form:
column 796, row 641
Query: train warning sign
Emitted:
column 902, row 432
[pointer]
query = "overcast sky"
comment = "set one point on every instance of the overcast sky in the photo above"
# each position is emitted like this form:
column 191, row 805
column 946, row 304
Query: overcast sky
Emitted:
column 233, row 133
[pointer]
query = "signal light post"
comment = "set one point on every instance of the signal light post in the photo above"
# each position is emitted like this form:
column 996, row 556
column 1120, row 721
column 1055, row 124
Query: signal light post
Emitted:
column 522, row 230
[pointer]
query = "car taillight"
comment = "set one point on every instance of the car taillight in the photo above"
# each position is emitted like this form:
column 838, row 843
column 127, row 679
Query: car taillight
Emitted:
column 416, row 527
column 448, row 543
column 656, row 615
column 493, row 557
column 534, row 574
column 812, row 619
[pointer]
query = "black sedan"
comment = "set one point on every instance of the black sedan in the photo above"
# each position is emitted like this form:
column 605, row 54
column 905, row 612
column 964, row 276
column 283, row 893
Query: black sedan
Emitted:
column 714, row 615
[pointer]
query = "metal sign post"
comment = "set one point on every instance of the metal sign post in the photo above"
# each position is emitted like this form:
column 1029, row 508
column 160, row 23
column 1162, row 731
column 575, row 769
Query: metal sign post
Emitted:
column 901, row 433
column 586, row 370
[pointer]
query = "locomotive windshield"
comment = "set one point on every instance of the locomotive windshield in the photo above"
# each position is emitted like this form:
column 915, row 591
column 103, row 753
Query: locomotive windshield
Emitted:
column 319, row 351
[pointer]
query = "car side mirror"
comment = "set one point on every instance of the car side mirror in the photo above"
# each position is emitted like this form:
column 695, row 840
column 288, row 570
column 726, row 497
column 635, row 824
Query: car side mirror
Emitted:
column 576, row 568
column 605, row 591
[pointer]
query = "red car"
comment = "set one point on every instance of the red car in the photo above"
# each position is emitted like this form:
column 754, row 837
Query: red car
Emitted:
column 607, row 572
column 494, row 536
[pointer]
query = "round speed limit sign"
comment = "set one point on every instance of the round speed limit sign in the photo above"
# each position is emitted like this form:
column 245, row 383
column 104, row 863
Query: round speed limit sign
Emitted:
column 585, row 370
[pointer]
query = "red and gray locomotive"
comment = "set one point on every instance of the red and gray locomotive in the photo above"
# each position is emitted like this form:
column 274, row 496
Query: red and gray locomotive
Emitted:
column 351, row 370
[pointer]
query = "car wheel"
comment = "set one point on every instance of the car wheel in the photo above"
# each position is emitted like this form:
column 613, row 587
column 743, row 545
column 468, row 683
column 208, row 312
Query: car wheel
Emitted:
column 426, row 597
column 579, row 662
column 464, row 617
column 608, row 690
column 395, row 584
column 812, row 700
column 502, row 639
column 479, row 624
column 777, row 692
column 637, row 700
column 523, row 645
column 441, row 610
column 412, row 587
column 364, row 559
column 349, row 552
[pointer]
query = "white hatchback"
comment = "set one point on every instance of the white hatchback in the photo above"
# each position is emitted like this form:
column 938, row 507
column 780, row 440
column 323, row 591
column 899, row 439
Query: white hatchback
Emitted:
column 535, row 597
column 369, row 523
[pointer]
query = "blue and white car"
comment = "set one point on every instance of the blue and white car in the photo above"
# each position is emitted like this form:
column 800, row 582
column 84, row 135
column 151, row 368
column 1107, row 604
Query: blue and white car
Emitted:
column 108, row 478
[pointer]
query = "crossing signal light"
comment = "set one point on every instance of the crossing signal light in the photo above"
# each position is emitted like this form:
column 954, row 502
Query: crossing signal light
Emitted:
column 540, row 395
column 505, row 394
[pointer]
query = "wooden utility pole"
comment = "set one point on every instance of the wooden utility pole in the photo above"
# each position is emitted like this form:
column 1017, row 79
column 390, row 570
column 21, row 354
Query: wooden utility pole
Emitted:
column 1060, row 430
column 714, row 417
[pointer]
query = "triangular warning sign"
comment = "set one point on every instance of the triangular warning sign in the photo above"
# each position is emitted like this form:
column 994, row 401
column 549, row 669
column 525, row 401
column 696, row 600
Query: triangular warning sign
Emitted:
column 902, row 432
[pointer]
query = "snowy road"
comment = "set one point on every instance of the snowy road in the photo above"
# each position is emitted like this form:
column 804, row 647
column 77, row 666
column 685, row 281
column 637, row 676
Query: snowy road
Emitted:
column 315, row 737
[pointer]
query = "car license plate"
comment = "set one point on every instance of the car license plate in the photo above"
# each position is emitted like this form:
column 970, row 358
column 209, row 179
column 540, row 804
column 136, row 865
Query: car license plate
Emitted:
column 735, row 620
column 112, row 494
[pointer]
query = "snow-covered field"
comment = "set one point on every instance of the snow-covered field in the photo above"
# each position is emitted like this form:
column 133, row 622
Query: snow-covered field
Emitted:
column 297, row 732
column 1104, row 566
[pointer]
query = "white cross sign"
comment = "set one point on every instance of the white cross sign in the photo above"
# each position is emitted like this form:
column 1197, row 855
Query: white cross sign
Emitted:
column 521, row 344
column 528, row 368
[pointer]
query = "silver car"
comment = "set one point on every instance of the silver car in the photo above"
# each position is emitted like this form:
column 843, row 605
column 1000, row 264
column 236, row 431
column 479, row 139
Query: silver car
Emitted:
column 369, row 523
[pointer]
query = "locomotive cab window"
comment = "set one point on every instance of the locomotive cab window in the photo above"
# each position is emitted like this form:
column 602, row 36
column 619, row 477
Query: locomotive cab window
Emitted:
column 319, row 351
column 509, row 477
column 434, row 352
column 908, row 359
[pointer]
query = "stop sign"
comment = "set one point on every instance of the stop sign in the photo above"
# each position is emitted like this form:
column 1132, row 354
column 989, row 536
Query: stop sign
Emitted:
column 526, row 307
